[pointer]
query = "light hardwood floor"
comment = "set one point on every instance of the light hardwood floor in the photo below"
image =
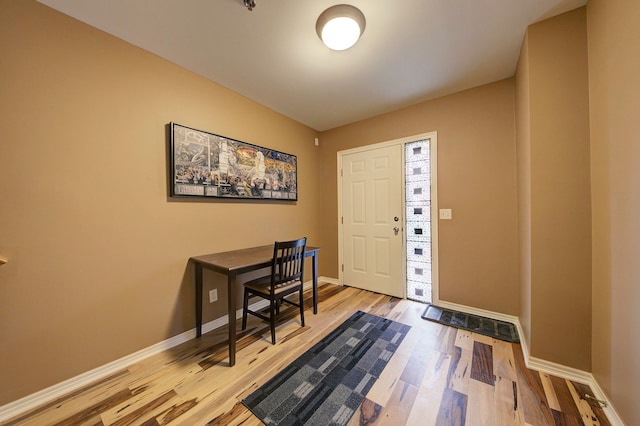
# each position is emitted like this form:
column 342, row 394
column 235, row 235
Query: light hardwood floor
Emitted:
column 438, row 376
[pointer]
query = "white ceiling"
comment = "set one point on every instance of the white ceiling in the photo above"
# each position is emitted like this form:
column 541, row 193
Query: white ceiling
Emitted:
column 411, row 50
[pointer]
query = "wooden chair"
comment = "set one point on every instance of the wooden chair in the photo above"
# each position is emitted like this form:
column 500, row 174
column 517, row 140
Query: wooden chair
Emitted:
column 286, row 277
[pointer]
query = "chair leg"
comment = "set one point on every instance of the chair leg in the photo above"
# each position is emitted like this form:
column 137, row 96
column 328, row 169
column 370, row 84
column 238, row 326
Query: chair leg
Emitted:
column 245, row 307
column 301, row 307
column 272, row 320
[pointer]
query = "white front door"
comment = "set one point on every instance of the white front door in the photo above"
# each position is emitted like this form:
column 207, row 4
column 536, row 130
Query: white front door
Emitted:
column 371, row 222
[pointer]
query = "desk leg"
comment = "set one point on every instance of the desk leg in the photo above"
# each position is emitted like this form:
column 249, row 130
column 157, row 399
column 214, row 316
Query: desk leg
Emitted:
column 231, row 288
column 198, row 300
column 314, row 272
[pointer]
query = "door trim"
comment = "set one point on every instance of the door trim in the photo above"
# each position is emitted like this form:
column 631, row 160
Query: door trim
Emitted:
column 433, row 136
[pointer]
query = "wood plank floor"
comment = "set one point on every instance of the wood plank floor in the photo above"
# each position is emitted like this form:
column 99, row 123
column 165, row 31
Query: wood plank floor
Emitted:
column 438, row 376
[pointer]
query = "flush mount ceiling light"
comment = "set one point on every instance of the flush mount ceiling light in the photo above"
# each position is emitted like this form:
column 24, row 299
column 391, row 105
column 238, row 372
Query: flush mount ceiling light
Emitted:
column 340, row 26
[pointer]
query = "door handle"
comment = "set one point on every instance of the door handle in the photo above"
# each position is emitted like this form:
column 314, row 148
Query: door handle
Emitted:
column 396, row 230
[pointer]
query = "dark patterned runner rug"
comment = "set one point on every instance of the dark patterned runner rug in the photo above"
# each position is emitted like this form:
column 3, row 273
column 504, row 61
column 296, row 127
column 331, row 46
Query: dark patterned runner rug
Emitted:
column 501, row 330
column 326, row 384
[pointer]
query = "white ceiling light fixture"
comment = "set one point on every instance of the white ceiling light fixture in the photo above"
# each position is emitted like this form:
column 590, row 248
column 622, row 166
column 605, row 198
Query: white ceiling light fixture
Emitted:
column 340, row 26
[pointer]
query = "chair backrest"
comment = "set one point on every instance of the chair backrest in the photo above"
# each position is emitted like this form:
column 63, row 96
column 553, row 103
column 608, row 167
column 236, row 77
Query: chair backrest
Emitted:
column 288, row 261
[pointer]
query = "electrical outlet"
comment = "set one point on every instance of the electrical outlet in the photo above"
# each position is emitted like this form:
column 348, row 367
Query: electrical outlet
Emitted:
column 445, row 214
column 213, row 295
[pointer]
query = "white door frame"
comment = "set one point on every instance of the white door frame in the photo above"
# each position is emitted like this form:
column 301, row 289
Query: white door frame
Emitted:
column 433, row 136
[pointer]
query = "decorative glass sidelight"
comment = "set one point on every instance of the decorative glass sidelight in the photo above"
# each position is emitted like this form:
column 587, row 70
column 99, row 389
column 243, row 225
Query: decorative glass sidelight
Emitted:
column 418, row 214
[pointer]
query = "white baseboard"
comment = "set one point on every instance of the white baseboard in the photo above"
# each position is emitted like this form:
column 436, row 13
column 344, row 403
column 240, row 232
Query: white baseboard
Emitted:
column 29, row 402
column 494, row 315
column 609, row 410
column 480, row 312
column 541, row 365
column 559, row 370
column 329, row 280
column 578, row 376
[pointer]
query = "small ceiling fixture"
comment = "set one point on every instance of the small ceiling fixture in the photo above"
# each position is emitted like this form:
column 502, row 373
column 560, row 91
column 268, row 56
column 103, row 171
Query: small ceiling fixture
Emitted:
column 250, row 4
column 340, row 26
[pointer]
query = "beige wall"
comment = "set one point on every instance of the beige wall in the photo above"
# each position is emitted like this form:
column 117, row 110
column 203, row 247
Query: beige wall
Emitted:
column 476, row 178
column 555, row 190
column 614, row 84
column 553, row 67
column 523, row 150
column 97, row 252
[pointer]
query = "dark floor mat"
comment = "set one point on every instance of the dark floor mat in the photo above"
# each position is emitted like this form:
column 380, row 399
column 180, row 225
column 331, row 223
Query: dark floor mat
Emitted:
column 326, row 384
column 501, row 330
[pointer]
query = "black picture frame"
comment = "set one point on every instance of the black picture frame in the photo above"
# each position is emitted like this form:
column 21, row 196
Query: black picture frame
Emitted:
column 208, row 165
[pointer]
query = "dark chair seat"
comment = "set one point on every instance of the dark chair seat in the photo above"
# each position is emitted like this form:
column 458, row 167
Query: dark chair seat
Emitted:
column 263, row 285
column 286, row 277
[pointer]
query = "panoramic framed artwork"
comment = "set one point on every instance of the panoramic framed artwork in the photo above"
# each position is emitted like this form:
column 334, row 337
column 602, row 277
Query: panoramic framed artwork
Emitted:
column 204, row 164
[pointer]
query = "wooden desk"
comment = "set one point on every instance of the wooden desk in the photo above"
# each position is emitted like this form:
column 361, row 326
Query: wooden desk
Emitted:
column 233, row 263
